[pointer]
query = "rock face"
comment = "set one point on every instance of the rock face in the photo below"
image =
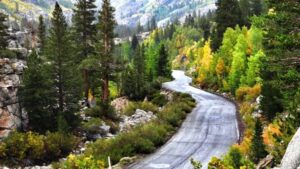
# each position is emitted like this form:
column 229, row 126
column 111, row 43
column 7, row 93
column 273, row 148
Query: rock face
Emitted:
column 139, row 117
column 11, row 114
column 120, row 103
column 291, row 159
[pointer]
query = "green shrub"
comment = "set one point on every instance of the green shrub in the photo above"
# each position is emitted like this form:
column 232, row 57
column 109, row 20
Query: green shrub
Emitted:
column 16, row 145
column 159, row 99
column 172, row 115
column 58, row 144
column 144, row 146
column 2, row 150
column 32, row 146
column 146, row 106
column 114, row 127
column 36, row 146
column 9, row 54
column 104, row 110
column 82, row 162
column 143, row 138
column 154, row 132
column 92, row 126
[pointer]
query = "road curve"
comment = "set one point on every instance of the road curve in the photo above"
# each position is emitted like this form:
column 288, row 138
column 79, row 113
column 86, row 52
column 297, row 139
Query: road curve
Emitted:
column 209, row 130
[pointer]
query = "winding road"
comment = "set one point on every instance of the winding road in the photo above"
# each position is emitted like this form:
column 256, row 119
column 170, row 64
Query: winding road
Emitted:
column 209, row 130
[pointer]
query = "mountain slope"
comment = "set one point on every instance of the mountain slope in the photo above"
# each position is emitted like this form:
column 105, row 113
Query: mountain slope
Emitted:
column 128, row 12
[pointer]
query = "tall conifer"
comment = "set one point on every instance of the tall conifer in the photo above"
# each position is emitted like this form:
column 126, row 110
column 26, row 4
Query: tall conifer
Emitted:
column 105, row 45
column 228, row 14
column 84, row 35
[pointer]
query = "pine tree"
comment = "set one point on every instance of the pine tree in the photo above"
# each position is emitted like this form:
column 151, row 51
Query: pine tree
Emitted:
column 139, row 27
column 257, row 147
column 281, row 70
column 163, row 63
column 256, row 7
column 228, row 14
column 42, row 33
column 59, row 54
column 84, row 27
column 84, row 36
column 4, row 36
column 105, row 46
column 36, row 95
column 271, row 103
column 246, row 11
column 139, row 66
column 134, row 42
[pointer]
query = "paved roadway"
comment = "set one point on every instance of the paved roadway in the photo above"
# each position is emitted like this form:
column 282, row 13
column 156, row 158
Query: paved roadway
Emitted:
column 209, row 130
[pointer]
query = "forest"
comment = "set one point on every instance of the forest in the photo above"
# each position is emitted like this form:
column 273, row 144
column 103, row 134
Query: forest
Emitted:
column 250, row 55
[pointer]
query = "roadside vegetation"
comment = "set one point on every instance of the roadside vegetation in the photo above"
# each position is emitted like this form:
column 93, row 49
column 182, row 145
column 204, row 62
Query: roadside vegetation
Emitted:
column 252, row 59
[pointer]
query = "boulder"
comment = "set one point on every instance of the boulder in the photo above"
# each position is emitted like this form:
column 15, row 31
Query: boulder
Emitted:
column 139, row 117
column 10, row 79
column 291, row 158
column 120, row 103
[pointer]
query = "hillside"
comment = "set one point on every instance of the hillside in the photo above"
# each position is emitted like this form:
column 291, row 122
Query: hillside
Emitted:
column 128, row 12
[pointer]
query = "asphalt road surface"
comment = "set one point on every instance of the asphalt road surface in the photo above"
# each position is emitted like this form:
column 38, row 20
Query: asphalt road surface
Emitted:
column 209, row 130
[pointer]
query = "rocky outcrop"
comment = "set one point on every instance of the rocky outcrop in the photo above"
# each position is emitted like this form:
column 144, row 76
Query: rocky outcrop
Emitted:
column 139, row 117
column 120, row 104
column 11, row 114
column 291, row 159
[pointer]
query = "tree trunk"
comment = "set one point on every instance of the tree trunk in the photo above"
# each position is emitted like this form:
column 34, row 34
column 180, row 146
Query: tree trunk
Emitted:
column 105, row 91
column 86, row 87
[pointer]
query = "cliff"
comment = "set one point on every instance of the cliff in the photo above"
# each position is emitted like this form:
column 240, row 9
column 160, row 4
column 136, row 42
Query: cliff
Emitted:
column 11, row 115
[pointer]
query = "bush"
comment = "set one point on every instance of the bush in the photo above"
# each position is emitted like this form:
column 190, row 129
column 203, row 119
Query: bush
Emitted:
column 16, row 145
column 154, row 132
column 146, row 106
column 58, row 144
column 2, row 150
column 248, row 93
column 36, row 146
column 8, row 54
column 159, row 99
column 104, row 110
column 114, row 127
column 144, row 138
column 82, row 162
column 92, row 126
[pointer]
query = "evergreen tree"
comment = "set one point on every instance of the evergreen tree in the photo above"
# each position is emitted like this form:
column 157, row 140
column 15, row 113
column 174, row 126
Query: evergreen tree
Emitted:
column 36, row 95
column 85, row 29
column 139, row 66
column 139, row 28
column 246, row 11
column 228, row 14
column 106, row 44
column 65, row 76
column 4, row 36
column 257, row 147
column 163, row 63
column 84, row 36
column 42, row 33
column 271, row 103
column 281, row 70
column 134, row 42
column 256, row 7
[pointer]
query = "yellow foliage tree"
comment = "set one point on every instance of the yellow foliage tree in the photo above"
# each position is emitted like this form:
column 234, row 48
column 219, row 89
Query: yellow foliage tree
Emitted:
column 207, row 56
column 220, row 68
